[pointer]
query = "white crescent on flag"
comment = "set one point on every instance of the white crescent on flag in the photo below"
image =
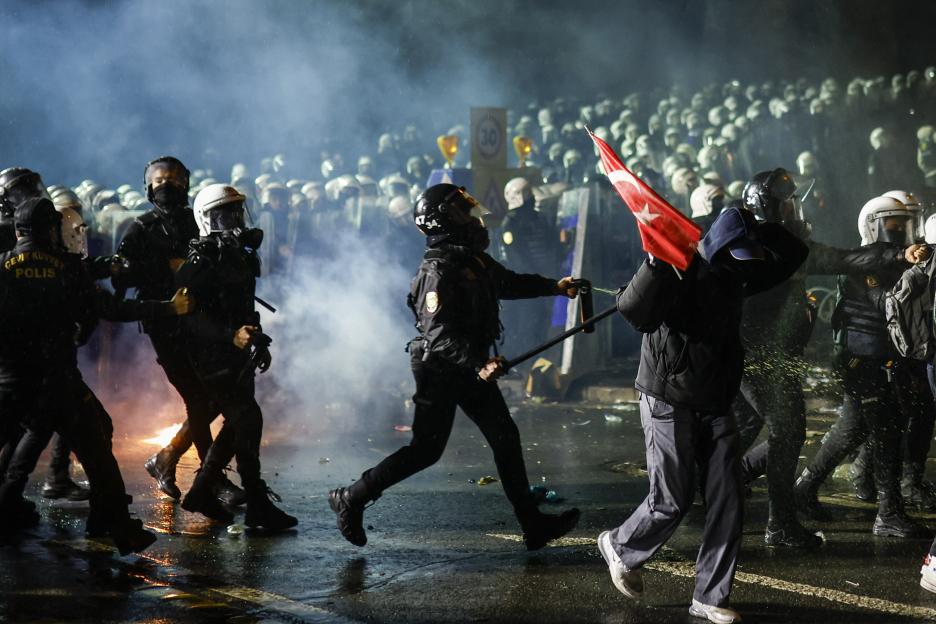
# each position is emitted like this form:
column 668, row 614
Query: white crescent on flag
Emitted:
column 621, row 175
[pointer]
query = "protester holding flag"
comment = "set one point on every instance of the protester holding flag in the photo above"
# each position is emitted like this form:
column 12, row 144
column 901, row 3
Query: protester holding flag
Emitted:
column 690, row 370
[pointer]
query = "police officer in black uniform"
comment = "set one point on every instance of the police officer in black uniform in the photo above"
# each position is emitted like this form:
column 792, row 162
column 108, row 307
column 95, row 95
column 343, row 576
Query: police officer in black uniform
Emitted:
column 44, row 296
column 776, row 327
column 154, row 247
column 455, row 297
column 18, row 184
column 224, row 343
column 872, row 375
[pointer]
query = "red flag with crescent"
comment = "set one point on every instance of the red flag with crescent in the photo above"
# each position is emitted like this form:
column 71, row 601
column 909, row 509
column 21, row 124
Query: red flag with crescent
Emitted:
column 665, row 232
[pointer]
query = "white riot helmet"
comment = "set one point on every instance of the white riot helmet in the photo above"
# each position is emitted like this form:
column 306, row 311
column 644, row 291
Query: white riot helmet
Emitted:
column 884, row 219
column 929, row 230
column 517, row 192
column 74, row 231
column 913, row 205
column 219, row 208
column 707, row 199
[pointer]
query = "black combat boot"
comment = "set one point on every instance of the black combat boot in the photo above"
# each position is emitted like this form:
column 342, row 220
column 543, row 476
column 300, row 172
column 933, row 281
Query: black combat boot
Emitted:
column 162, row 467
column 57, row 488
column 806, row 497
column 893, row 521
column 262, row 513
column 539, row 528
column 130, row 536
column 783, row 529
column 918, row 493
column 202, row 497
column 861, row 473
column 230, row 494
column 348, row 504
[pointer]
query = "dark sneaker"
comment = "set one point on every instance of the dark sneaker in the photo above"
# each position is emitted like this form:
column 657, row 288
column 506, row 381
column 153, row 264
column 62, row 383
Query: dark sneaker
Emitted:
column 162, row 468
column 67, row 489
column 350, row 517
column 792, row 535
column 547, row 527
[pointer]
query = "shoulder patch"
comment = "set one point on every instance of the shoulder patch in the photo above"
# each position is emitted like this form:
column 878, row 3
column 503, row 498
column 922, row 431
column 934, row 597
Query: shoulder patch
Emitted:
column 432, row 302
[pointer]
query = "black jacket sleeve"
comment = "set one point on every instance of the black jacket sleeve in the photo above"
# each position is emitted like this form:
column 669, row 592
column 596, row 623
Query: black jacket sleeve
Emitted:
column 433, row 302
column 647, row 299
column 140, row 262
column 826, row 260
column 111, row 308
column 786, row 253
column 512, row 285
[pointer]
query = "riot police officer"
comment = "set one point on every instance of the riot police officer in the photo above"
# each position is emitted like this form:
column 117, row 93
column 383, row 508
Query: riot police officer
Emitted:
column 872, row 374
column 154, row 247
column 529, row 245
column 455, row 298
column 221, row 271
column 46, row 295
column 18, row 184
column 776, row 328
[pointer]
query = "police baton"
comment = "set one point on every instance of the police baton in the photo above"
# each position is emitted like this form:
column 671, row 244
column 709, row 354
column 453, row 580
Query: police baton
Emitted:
column 588, row 326
column 587, row 314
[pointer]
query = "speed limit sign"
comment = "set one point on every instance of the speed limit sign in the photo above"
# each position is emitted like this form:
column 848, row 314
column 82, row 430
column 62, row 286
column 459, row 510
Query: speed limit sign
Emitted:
column 489, row 137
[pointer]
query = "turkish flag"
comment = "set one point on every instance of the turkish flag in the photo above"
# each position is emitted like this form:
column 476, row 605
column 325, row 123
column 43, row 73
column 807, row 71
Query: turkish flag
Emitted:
column 664, row 231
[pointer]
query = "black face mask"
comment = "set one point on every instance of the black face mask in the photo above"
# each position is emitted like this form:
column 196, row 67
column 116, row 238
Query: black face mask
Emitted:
column 170, row 197
column 478, row 239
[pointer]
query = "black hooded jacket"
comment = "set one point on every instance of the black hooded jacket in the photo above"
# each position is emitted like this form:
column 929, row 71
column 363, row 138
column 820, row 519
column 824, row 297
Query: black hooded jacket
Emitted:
column 691, row 355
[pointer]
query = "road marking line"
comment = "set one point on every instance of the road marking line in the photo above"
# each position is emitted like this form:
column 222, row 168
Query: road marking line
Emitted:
column 263, row 599
column 686, row 569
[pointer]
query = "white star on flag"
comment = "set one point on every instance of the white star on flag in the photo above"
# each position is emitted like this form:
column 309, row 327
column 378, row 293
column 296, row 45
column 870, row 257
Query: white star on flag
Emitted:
column 645, row 216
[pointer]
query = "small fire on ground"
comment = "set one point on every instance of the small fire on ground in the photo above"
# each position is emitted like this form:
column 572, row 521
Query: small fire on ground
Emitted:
column 162, row 437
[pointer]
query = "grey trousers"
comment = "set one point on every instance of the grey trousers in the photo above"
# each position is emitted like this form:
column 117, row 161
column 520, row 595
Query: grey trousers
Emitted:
column 680, row 443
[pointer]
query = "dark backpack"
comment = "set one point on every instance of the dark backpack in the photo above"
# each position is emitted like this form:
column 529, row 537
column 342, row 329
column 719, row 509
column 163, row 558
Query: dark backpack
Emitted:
column 909, row 312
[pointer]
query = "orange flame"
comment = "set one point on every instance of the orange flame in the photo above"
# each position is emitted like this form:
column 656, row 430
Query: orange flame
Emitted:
column 163, row 436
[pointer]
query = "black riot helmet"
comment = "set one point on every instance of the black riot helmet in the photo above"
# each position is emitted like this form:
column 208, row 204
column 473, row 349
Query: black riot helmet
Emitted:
column 446, row 211
column 17, row 184
column 767, row 195
column 173, row 171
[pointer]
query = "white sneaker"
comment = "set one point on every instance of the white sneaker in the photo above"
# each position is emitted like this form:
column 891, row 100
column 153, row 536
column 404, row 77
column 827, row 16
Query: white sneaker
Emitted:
column 628, row 582
column 928, row 574
column 719, row 615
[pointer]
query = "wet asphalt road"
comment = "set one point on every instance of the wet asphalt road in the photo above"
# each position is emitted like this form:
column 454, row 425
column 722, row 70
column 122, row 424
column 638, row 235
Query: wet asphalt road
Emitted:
column 444, row 549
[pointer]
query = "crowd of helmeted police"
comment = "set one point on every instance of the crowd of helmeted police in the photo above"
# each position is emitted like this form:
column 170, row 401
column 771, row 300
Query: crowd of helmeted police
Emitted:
column 815, row 158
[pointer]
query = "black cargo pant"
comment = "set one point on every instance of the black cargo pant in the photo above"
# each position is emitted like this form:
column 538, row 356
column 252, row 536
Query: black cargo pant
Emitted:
column 173, row 356
column 773, row 392
column 240, row 436
column 438, row 393
column 65, row 405
column 26, row 454
column 869, row 408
